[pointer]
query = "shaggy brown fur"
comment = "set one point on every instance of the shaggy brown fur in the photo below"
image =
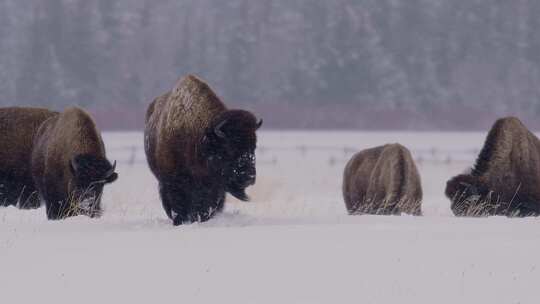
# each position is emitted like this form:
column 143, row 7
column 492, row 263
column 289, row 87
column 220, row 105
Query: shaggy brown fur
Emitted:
column 69, row 165
column 506, row 177
column 198, row 150
column 18, row 127
column 382, row 180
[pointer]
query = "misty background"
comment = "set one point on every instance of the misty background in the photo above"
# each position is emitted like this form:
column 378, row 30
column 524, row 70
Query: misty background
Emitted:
column 319, row 64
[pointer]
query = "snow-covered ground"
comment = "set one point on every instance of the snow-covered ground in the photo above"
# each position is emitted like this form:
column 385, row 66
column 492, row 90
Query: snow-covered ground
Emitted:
column 293, row 243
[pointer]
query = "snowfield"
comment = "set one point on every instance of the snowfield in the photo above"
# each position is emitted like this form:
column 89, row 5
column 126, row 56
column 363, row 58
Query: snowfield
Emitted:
column 293, row 243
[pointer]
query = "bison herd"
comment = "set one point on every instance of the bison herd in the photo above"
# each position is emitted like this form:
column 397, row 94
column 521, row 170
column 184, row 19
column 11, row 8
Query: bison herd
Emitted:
column 199, row 150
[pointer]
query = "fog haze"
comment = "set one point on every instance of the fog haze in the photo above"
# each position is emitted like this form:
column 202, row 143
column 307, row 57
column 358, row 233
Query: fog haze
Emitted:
column 349, row 64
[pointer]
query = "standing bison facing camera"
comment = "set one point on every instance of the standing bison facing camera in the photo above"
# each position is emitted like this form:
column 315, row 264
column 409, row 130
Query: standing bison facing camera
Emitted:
column 18, row 127
column 198, row 150
column 506, row 177
column 69, row 166
column 382, row 180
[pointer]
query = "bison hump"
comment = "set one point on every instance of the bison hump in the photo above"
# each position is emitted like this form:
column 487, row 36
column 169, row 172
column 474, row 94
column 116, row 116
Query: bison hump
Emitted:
column 191, row 106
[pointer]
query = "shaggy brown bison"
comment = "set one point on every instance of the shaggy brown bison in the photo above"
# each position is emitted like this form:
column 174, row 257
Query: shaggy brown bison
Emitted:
column 382, row 180
column 18, row 127
column 69, row 166
column 198, row 150
column 506, row 177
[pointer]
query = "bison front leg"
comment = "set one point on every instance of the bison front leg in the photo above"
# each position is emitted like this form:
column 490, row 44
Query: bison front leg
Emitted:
column 207, row 206
column 199, row 213
column 175, row 203
column 524, row 208
column 190, row 203
column 56, row 206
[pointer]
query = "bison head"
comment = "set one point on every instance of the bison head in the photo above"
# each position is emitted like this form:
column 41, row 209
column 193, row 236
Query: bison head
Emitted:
column 90, row 174
column 229, row 149
column 469, row 196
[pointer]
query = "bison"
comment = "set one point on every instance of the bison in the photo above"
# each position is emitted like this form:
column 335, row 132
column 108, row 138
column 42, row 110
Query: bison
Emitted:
column 69, row 166
column 505, row 179
column 382, row 180
column 198, row 150
column 18, row 127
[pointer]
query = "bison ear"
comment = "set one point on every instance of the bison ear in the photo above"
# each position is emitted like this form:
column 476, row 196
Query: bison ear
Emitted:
column 218, row 130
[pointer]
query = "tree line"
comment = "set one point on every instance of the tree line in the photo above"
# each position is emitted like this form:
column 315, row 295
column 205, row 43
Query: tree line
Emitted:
column 372, row 64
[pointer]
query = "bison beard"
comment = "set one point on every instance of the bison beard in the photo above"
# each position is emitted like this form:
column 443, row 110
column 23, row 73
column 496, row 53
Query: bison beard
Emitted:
column 382, row 180
column 198, row 150
column 69, row 165
column 506, row 177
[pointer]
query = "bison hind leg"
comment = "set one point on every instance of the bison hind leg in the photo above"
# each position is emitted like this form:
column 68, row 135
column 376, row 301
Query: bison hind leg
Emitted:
column 29, row 199
column 417, row 210
column 165, row 200
column 409, row 206
column 9, row 193
column 20, row 194
column 389, row 209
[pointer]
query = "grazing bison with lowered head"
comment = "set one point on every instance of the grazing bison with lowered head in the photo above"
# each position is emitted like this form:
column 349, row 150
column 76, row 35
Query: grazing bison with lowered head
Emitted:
column 69, row 165
column 506, row 177
column 382, row 180
column 18, row 127
column 199, row 150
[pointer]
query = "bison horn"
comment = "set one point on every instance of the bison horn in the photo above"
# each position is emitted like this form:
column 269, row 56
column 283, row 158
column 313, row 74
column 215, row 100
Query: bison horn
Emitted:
column 73, row 164
column 259, row 124
column 218, row 130
column 111, row 172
